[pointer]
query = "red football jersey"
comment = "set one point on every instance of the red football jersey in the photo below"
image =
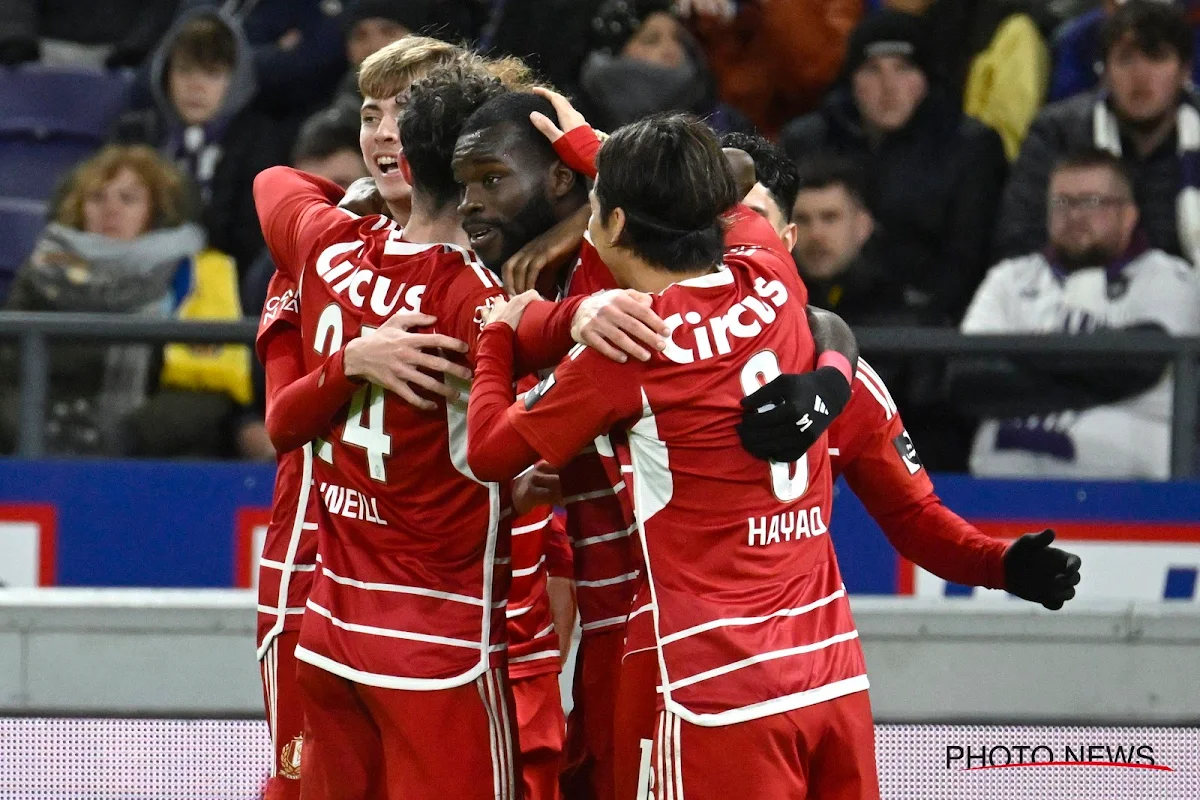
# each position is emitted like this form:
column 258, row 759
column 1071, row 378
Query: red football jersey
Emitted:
column 532, row 639
column 749, row 610
column 289, row 556
column 413, row 574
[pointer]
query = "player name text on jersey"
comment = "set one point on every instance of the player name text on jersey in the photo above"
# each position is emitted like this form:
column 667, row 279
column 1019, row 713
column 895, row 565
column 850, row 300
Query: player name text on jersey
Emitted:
column 803, row 523
column 351, row 503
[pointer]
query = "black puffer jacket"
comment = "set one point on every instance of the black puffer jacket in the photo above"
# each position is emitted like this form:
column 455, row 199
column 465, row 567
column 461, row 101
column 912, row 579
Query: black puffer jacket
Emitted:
column 933, row 187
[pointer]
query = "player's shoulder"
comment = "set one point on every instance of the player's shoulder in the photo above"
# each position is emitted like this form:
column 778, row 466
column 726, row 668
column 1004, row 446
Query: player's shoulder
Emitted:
column 871, row 403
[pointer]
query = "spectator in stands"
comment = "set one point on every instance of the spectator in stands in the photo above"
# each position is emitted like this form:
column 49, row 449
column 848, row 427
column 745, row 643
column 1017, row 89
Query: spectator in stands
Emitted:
column 121, row 242
column 1078, row 417
column 1079, row 51
column 203, row 80
column 935, row 175
column 643, row 61
column 1144, row 114
column 117, row 33
column 774, row 60
column 371, row 25
column 297, row 50
column 834, row 246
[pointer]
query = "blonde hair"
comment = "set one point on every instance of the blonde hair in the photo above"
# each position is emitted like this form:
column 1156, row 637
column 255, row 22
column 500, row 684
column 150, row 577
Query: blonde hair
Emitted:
column 168, row 192
column 396, row 67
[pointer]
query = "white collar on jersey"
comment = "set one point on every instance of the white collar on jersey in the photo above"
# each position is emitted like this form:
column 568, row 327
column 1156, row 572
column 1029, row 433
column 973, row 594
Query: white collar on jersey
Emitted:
column 722, row 277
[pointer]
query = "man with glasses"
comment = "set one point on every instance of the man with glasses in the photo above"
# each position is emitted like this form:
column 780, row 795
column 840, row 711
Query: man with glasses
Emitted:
column 1078, row 417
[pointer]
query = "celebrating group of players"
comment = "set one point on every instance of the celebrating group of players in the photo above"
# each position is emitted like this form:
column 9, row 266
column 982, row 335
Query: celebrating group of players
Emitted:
column 692, row 417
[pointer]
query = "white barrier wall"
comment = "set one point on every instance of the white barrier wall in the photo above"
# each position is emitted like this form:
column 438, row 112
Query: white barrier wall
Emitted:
column 191, row 653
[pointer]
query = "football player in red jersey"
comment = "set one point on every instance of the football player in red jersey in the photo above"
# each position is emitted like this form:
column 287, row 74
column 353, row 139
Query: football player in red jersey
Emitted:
column 869, row 446
column 753, row 631
column 520, row 197
column 289, row 550
column 289, row 554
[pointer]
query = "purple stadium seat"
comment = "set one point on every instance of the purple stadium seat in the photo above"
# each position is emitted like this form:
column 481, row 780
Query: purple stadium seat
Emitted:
column 52, row 119
column 56, row 101
column 21, row 221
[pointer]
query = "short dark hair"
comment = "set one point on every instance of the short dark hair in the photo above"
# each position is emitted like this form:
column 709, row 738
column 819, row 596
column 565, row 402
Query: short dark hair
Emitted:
column 1155, row 27
column 514, row 108
column 327, row 132
column 206, row 42
column 437, row 108
column 1094, row 158
column 669, row 176
column 823, row 171
column 772, row 168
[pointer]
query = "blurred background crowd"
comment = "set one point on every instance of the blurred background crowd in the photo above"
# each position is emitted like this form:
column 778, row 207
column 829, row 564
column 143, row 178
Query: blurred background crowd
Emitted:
column 928, row 136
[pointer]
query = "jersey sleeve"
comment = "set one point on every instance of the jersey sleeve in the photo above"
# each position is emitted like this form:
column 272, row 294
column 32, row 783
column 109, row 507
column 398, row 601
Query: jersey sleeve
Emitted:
column 877, row 456
column 585, row 396
column 560, row 560
column 281, row 310
column 295, row 209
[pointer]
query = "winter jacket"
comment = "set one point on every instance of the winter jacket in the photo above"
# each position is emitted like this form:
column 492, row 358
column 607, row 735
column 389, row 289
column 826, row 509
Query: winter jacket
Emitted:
column 1065, row 127
column 933, row 188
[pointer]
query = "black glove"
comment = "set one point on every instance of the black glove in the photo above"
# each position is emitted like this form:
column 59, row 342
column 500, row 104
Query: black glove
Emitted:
column 1035, row 571
column 787, row 416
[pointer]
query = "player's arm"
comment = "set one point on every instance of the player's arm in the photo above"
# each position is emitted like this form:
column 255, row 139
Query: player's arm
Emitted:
column 783, row 419
column 391, row 357
column 560, row 584
column 503, row 437
column 884, row 471
column 617, row 324
column 294, row 209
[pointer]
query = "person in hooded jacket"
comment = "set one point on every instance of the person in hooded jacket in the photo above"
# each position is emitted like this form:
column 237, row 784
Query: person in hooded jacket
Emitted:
column 642, row 62
column 202, row 79
column 935, row 175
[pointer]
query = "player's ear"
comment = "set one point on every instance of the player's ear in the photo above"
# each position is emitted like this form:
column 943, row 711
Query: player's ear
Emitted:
column 405, row 168
column 614, row 226
column 562, row 180
column 788, row 235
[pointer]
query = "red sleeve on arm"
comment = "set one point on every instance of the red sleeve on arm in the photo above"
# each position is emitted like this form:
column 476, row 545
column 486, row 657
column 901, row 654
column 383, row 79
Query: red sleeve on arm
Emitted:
column 282, row 352
column 578, row 148
column 495, row 451
column 560, row 561
column 304, row 410
column 885, row 473
column 936, row 539
column 544, row 334
column 294, row 208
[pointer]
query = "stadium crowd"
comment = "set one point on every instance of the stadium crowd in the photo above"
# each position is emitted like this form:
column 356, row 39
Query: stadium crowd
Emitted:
column 979, row 164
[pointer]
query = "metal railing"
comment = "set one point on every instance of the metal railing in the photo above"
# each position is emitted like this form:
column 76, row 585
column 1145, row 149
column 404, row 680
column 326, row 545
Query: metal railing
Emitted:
column 34, row 330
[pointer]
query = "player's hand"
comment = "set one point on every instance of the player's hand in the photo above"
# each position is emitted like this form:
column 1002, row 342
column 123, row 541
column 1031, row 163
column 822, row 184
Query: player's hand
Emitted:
column 1035, row 571
column 783, row 419
column 362, row 197
column 537, row 486
column 393, row 357
column 613, row 323
column 509, row 312
column 548, row 251
column 568, row 116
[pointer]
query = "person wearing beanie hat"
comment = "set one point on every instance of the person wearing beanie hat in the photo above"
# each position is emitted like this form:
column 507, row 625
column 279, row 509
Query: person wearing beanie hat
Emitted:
column 936, row 175
column 370, row 25
column 642, row 61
